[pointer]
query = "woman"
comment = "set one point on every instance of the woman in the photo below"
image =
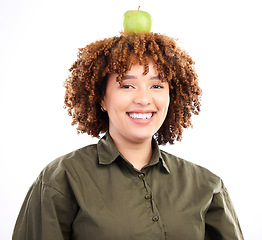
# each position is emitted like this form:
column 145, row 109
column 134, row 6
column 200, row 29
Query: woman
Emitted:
column 140, row 90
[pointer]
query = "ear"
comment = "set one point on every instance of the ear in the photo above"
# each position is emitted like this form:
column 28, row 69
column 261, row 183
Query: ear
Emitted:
column 103, row 105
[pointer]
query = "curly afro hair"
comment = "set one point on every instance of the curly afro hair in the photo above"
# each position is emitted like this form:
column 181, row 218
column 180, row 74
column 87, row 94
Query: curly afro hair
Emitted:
column 86, row 85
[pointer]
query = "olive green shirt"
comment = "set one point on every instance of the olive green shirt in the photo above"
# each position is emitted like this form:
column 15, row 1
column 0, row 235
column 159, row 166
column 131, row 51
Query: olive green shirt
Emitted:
column 95, row 194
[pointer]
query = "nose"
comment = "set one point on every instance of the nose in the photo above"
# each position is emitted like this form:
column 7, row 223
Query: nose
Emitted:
column 143, row 97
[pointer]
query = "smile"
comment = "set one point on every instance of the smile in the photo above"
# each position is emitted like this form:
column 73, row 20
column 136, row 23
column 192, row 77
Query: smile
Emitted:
column 142, row 116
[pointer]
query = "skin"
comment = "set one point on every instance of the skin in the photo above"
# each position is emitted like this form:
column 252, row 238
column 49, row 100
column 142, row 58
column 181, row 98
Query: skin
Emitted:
column 136, row 109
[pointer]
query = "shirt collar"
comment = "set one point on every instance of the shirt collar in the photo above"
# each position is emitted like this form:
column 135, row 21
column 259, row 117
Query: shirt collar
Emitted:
column 108, row 153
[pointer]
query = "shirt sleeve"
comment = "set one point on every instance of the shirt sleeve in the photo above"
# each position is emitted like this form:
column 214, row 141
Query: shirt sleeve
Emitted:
column 45, row 214
column 221, row 219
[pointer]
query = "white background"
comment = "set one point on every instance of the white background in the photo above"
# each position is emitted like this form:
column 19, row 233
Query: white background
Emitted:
column 39, row 42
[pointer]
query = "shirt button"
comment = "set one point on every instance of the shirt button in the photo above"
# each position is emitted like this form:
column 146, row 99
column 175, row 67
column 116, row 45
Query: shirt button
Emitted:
column 141, row 175
column 148, row 196
column 155, row 218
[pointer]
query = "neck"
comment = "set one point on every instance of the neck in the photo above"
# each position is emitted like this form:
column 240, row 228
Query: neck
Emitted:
column 138, row 154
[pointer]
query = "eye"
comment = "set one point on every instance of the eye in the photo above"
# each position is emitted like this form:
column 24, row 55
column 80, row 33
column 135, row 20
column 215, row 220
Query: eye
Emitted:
column 127, row 86
column 157, row 86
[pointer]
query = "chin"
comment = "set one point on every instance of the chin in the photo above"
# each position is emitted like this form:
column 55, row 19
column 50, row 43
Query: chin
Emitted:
column 142, row 137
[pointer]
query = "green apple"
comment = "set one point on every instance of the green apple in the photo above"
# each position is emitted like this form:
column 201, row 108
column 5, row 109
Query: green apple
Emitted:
column 137, row 21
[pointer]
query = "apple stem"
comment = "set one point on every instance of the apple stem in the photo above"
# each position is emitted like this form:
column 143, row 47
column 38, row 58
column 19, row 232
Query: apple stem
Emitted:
column 138, row 8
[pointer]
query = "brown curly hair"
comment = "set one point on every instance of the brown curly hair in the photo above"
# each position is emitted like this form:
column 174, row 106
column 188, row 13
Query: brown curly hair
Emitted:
column 86, row 86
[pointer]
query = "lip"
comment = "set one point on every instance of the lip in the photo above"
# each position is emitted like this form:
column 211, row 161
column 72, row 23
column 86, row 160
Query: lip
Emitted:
column 142, row 111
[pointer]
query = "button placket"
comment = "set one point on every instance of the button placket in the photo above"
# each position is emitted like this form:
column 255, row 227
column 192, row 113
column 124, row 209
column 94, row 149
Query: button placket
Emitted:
column 154, row 215
column 148, row 196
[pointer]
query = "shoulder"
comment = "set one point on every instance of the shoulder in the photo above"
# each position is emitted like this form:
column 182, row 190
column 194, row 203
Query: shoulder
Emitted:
column 60, row 173
column 192, row 173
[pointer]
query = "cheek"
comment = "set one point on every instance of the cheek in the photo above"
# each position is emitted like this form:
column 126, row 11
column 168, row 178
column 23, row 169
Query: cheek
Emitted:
column 117, row 103
column 164, row 105
column 164, row 101
column 165, row 97
column 167, row 100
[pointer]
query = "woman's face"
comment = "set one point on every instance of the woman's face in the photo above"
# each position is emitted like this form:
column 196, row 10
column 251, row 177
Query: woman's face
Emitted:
column 138, row 108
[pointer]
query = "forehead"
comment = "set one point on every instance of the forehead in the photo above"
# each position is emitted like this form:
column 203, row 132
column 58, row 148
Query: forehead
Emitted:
column 138, row 70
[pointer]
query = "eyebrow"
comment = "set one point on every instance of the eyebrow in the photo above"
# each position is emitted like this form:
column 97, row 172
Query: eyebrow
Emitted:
column 134, row 77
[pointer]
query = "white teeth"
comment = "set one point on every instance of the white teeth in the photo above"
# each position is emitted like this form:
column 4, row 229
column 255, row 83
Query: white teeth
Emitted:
column 140, row 115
